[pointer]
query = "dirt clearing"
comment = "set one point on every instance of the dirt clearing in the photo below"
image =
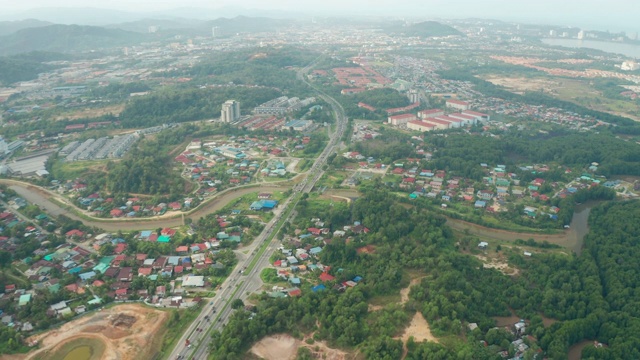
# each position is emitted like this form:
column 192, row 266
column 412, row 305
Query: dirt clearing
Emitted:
column 128, row 332
column 92, row 112
column 285, row 347
column 419, row 329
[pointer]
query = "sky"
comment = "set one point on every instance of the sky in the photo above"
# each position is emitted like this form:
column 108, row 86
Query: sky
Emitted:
column 614, row 15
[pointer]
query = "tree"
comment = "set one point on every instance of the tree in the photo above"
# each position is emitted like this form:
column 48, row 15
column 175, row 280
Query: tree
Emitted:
column 237, row 304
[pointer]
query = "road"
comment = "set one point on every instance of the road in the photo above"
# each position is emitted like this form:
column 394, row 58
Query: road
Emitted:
column 215, row 314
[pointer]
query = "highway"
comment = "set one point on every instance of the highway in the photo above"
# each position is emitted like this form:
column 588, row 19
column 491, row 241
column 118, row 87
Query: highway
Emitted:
column 239, row 285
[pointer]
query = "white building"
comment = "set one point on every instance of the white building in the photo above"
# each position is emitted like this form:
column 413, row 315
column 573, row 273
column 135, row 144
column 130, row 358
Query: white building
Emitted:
column 420, row 125
column 478, row 115
column 401, row 119
column 457, row 104
column 193, row 281
column 430, row 113
column 230, row 111
column 630, row 66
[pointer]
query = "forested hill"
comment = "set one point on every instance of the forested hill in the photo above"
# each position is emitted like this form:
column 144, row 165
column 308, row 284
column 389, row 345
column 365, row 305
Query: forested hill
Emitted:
column 66, row 38
column 422, row 29
column 24, row 67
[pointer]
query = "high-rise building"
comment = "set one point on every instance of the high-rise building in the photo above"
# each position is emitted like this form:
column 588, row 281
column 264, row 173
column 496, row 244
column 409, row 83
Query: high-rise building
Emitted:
column 215, row 31
column 581, row 34
column 553, row 33
column 230, row 111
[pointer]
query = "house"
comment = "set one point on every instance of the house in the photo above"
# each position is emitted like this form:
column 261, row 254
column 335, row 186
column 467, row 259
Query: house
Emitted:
column 485, row 195
column 480, row 204
column 116, row 213
column 324, row 277
column 483, row 245
column 74, row 234
column 144, row 271
column 122, row 294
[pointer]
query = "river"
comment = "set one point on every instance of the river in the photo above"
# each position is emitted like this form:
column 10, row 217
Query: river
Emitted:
column 41, row 199
column 630, row 50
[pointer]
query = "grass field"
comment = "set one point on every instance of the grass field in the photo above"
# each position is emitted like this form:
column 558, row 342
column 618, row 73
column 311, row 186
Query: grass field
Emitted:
column 72, row 170
column 175, row 327
column 83, row 348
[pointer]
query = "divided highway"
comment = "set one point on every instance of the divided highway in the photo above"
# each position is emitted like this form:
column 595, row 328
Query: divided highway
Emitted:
column 245, row 278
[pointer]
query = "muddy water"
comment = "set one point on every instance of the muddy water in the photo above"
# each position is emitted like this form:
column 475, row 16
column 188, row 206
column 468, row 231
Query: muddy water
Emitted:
column 79, row 353
column 580, row 226
column 575, row 352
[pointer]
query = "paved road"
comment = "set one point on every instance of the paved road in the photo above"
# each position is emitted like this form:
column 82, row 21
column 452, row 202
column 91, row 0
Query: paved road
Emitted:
column 239, row 286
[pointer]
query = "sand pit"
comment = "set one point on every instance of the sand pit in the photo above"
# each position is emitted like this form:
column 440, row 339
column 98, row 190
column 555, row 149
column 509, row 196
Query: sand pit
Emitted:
column 285, row 347
column 128, row 332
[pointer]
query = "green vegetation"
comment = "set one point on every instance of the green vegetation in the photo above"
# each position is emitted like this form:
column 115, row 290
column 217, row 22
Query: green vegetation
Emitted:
column 391, row 145
column 592, row 295
column 152, row 174
column 21, row 68
column 179, row 320
column 180, row 105
column 264, row 67
column 463, row 154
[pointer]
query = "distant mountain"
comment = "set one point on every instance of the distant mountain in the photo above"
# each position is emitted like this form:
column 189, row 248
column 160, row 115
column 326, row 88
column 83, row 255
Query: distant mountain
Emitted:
column 108, row 17
column 9, row 27
column 78, row 16
column 422, row 29
column 66, row 38
column 244, row 24
column 142, row 26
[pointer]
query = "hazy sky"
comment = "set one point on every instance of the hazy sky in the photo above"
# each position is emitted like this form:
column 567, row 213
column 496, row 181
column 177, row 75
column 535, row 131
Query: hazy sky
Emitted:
column 615, row 15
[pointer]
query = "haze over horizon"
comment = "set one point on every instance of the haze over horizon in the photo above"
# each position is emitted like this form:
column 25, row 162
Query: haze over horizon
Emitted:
column 587, row 14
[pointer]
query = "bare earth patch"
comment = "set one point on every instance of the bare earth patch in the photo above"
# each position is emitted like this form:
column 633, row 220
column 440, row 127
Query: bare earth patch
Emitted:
column 128, row 331
column 419, row 329
column 404, row 293
column 276, row 347
column 92, row 112
column 285, row 347
column 498, row 264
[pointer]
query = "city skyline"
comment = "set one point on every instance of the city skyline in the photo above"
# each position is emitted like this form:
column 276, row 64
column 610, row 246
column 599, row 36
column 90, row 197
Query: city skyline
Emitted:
column 587, row 14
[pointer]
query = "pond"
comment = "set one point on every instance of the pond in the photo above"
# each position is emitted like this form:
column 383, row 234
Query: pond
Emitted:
column 79, row 353
column 580, row 226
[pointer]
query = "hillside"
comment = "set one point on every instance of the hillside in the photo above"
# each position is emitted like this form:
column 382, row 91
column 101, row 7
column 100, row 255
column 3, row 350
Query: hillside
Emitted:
column 422, row 29
column 9, row 27
column 26, row 66
column 66, row 38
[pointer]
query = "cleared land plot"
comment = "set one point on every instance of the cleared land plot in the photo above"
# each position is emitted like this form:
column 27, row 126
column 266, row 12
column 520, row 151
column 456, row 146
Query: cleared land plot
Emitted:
column 130, row 331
